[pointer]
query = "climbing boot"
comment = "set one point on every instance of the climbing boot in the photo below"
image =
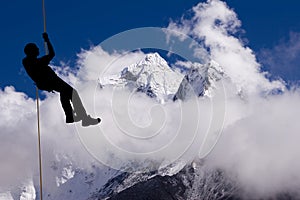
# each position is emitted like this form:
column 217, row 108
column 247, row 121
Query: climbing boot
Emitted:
column 88, row 121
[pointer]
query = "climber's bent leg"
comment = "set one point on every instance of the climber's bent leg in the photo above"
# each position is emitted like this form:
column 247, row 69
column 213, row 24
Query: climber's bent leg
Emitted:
column 80, row 112
column 65, row 91
column 77, row 112
column 78, row 106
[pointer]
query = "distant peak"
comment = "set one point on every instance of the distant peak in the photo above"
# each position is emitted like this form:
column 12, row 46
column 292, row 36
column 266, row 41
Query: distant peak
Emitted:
column 155, row 58
column 151, row 56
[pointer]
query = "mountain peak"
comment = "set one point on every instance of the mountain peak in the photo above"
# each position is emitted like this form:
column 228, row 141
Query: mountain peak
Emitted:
column 154, row 58
column 153, row 76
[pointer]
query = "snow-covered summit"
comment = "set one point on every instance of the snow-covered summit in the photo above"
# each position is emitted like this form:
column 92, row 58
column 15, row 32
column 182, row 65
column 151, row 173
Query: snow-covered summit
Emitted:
column 153, row 76
column 200, row 80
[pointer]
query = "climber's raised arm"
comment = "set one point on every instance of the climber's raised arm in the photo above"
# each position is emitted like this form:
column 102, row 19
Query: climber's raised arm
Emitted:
column 51, row 52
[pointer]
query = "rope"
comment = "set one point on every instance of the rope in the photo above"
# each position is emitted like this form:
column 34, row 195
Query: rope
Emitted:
column 45, row 25
column 39, row 141
column 38, row 111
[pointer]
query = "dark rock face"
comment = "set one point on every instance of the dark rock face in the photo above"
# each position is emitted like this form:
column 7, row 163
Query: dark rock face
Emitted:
column 189, row 184
column 166, row 188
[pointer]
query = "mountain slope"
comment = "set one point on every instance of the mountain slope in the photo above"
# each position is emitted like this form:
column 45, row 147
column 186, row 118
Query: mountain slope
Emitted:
column 199, row 80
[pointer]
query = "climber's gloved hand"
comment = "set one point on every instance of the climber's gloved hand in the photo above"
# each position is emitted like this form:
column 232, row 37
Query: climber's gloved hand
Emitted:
column 45, row 36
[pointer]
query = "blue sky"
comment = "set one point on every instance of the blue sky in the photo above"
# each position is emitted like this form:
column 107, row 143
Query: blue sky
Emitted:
column 77, row 24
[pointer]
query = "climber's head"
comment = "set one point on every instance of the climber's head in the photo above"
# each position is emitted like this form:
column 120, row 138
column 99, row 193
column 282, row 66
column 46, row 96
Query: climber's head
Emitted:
column 31, row 50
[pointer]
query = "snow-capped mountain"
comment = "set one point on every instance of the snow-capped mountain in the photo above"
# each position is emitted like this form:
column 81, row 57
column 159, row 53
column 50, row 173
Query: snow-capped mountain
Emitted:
column 200, row 80
column 157, row 79
column 193, row 181
column 152, row 75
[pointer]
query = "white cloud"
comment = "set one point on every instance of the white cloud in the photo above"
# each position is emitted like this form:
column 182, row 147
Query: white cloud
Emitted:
column 16, row 110
column 214, row 24
column 96, row 62
column 18, row 138
column 258, row 145
column 261, row 149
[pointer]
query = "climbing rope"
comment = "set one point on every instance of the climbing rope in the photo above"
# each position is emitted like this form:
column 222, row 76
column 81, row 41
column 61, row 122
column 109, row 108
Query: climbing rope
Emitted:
column 39, row 142
column 38, row 111
column 45, row 26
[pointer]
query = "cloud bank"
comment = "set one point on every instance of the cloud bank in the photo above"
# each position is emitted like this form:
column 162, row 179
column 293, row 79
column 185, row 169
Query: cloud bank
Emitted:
column 257, row 146
column 215, row 24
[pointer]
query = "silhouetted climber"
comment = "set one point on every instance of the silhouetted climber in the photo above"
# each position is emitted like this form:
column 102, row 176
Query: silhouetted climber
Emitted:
column 46, row 79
